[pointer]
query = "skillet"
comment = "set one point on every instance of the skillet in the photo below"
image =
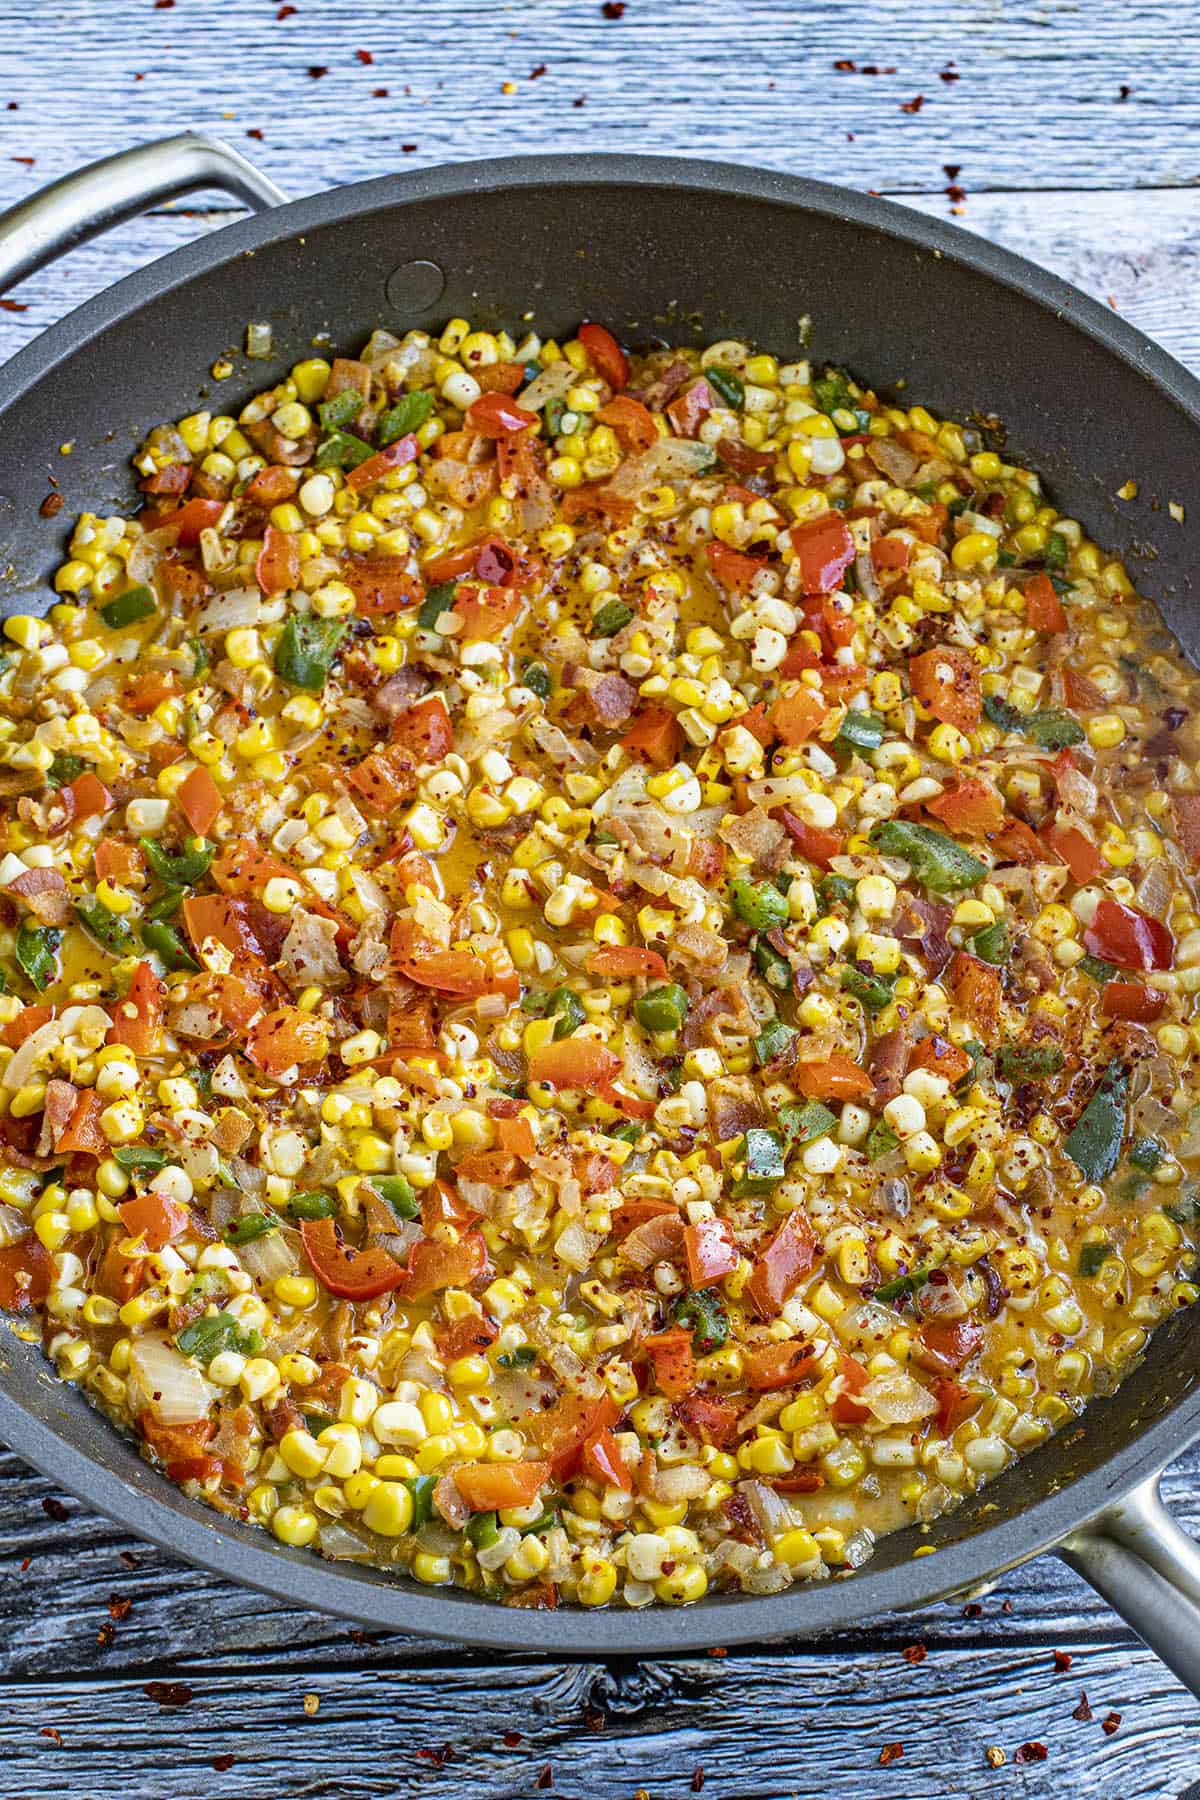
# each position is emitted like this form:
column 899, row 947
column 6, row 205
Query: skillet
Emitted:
column 656, row 248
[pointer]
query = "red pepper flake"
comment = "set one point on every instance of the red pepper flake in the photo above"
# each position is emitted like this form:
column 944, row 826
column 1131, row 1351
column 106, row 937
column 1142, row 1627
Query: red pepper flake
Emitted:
column 536, row 74
column 1124, row 91
column 168, row 1693
column 54, row 1509
column 1110, row 1724
column 379, row 93
column 254, row 132
column 546, row 1778
column 717, row 1650
column 119, row 1607
column 582, row 101
column 27, row 160
column 163, row 5
column 698, row 1779
column 409, row 148
column 106, row 1634
column 316, row 70
column 956, row 193
column 973, row 1611
column 846, row 67
column 613, row 9
column 889, row 1754
column 25, row 1563
column 511, row 1739
column 1083, row 1711
column 949, row 73
column 952, row 171
column 914, row 105
column 1062, row 1661
column 13, row 106
column 365, row 57
column 1031, row 1753
column 285, row 12
column 14, row 305
column 1006, row 1607
column 55, row 1737
column 914, row 1654
column 221, row 1763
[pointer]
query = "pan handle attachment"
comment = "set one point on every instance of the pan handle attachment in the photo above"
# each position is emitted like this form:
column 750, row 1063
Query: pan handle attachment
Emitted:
column 89, row 200
column 1146, row 1566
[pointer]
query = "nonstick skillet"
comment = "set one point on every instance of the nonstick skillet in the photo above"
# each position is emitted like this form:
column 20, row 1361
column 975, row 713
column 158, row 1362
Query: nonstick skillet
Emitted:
column 656, row 248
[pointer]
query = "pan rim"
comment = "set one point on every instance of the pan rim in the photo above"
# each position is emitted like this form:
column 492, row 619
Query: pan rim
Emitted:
column 243, row 1553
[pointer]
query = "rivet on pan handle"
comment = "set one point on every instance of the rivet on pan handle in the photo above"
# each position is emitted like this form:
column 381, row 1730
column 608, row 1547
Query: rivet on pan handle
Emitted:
column 1148, row 1568
column 83, row 204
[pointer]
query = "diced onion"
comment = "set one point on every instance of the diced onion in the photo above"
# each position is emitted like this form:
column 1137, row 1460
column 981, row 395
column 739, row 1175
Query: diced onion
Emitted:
column 170, row 1387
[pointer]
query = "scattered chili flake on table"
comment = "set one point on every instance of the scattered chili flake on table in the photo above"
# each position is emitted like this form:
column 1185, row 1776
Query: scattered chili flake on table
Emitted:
column 285, row 12
column 168, row 1693
column 698, row 1779
column 536, row 73
column 54, row 1509
column 119, row 1606
column 890, row 1753
column 380, row 93
column 914, row 1654
column 511, row 1739
column 106, row 1633
column 1109, row 1725
column 254, row 131
column 316, row 70
column 25, row 1563
column 1031, row 1753
column 1124, row 91
column 973, row 1611
column 27, row 160
column 546, row 1778
column 1083, row 1711
column 48, row 1731
column 129, row 1559
column 914, row 105
column 409, row 148
column 223, row 1762
column 580, row 101
column 594, row 1719
column 365, row 57
column 1062, row 1660
column 613, row 9
column 949, row 73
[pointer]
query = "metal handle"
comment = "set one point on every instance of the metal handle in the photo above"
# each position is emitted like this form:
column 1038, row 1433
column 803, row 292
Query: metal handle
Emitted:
column 1148, row 1568
column 85, row 203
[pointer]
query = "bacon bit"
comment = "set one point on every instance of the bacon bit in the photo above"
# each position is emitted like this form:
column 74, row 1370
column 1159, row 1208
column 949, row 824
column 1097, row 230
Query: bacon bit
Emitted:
column 889, row 1754
column 914, row 1654
column 1083, row 1711
column 119, row 1607
column 1062, row 1660
column 1031, row 1753
column 54, row 1509
column 316, row 70
column 365, row 57
column 222, row 1763
column 546, row 1778
column 536, row 73
column 169, row 1693
column 1109, row 1724
column 914, row 105
column 48, row 1731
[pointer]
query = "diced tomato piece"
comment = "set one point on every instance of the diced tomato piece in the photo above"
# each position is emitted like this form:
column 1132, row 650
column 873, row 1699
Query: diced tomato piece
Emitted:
column 221, row 917
column 516, row 1136
column 1018, row 843
column 1133, row 940
column 188, row 520
column 711, row 1252
column 836, row 1078
column 489, row 1487
column 271, row 486
column 956, row 1402
column 1080, row 691
column 145, row 692
column 26, row 1268
column 688, row 411
column 941, row 1057
column 83, row 1135
column 410, row 1024
column 789, row 1256
column 285, row 1038
column 434, row 1265
column 27, row 1021
column 498, row 1168
column 632, row 422
column 171, row 480
column 975, row 986
column 496, row 416
column 951, row 1344
column 182, row 583
column 1073, row 847
column 973, row 806
column 797, row 716
column 890, row 552
column 654, row 737
column 946, row 682
column 712, row 1420
column 442, row 1205
column 602, row 1460
column 812, row 841
column 350, row 1274
column 199, row 800
column 561, row 1431
column 624, row 960
column 630, row 1104
column 466, row 1337
column 119, row 1277
column 385, row 779
column 453, row 971
column 115, row 860
column 674, row 1361
column 277, row 570
column 632, row 1213
column 382, row 584
column 156, row 1217
column 731, row 568
column 486, row 612
column 425, row 731
column 180, row 1447
column 1043, row 608
column 846, row 1410
column 573, row 1062
column 825, row 548
column 395, row 456
column 1129, row 1000
column 779, row 1365
column 89, row 796
column 137, row 1020
column 930, row 524
column 501, row 377
column 605, row 354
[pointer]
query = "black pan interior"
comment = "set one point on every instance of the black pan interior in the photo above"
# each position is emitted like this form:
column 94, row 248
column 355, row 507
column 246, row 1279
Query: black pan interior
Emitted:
column 682, row 252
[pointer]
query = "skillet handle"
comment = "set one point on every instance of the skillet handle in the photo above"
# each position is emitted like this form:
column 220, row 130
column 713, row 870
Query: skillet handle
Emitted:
column 89, row 200
column 1148, row 1568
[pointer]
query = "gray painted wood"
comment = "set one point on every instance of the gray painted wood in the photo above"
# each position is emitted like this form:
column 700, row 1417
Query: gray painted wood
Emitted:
column 1057, row 165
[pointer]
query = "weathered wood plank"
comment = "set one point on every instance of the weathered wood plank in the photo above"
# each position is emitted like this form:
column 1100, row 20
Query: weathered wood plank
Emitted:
column 751, row 84
column 1138, row 248
column 758, row 1727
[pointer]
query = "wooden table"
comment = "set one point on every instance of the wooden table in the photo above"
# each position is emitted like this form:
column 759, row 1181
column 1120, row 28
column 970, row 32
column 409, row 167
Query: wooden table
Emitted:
column 1068, row 132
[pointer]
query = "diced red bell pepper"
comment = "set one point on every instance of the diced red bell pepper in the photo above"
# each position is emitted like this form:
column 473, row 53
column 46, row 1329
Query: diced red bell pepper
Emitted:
column 425, row 731
column 941, row 1058
column 173, row 479
column 496, row 416
column 1073, row 847
column 200, row 800
column 688, row 411
column 973, row 806
column 798, row 715
column 490, row 1487
column 602, row 1460
column 946, row 682
column 1018, row 843
column 382, row 584
column 779, row 1365
column 516, row 1136
column 632, row 422
column 812, row 841
column 83, row 1136
column 486, row 612
column 976, row 988
column 890, row 552
column 731, row 568
column 137, row 1020
column 951, row 1344
column 350, row 1274
column 90, row 798
column 605, row 354
column 573, row 1062
column 434, row 1265
column 284, row 1039
column 712, row 1420
column 956, row 1402
column 789, row 1256
column 561, row 1431
column 825, row 548
column 384, row 462
column 711, row 1252
column 277, row 570
column 1129, row 1000
column 846, row 1410
column 498, row 1168
column 156, row 1217
column 26, row 1268
column 385, row 778
column 1043, row 608
column 836, row 1078
column 271, row 486
column 674, row 1361
column 655, row 737
column 622, row 961
column 466, row 1337
column 1133, row 940
column 148, row 690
